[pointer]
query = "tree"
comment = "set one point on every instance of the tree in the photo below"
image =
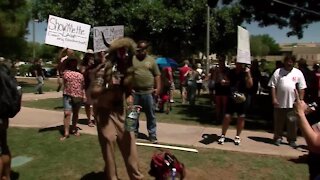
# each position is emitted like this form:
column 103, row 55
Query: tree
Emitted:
column 262, row 45
column 14, row 16
column 177, row 28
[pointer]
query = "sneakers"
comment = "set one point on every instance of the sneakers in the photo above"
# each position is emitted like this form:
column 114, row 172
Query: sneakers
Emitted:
column 153, row 139
column 237, row 140
column 278, row 141
column 221, row 139
column 293, row 144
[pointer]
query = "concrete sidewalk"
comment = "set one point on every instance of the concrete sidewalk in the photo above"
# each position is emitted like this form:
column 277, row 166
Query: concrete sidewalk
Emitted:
column 177, row 134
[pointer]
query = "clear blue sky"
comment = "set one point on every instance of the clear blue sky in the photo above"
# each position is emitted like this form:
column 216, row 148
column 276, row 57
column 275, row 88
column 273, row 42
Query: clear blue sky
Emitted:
column 311, row 34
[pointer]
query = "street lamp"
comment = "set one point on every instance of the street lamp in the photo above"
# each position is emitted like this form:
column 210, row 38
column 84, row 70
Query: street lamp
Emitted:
column 34, row 38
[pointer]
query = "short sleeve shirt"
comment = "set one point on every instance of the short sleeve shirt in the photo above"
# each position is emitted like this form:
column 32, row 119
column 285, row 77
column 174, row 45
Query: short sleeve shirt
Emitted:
column 73, row 83
column 285, row 83
column 144, row 73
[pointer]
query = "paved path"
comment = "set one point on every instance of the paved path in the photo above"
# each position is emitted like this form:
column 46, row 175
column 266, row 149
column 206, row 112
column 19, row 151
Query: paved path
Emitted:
column 177, row 134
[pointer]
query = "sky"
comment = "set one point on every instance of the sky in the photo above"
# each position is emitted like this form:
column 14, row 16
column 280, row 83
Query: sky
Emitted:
column 311, row 34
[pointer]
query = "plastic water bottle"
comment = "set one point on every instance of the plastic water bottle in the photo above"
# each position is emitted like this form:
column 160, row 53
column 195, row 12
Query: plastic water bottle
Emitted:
column 132, row 118
column 173, row 173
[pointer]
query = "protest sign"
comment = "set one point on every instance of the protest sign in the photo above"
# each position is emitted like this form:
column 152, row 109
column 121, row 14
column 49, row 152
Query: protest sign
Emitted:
column 67, row 34
column 243, row 51
column 110, row 33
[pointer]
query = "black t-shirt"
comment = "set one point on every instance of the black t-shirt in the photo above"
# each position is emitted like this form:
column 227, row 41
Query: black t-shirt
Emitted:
column 238, row 81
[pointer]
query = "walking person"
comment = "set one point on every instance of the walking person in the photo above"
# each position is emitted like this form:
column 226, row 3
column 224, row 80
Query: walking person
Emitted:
column 38, row 72
column 73, row 96
column 283, row 83
column 147, row 83
column 113, row 100
column 183, row 83
column 200, row 78
column 86, row 68
column 62, row 56
column 240, row 81
column 192, row 76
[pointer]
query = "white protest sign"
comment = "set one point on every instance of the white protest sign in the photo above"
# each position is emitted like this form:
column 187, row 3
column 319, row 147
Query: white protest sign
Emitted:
column 67, row 34
column 243, row 52
column 110, row 33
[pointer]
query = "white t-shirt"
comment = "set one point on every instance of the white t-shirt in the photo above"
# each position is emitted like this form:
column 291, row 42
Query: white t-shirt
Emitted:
column 200, row 71
column 285, row 83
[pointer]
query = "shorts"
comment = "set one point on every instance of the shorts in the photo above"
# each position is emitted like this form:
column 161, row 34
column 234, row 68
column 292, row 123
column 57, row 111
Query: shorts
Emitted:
column 233, row 107
column 67, row 103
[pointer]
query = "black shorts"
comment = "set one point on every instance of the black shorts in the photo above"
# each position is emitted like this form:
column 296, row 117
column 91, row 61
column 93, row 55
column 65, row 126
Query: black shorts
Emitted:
column 233, row 107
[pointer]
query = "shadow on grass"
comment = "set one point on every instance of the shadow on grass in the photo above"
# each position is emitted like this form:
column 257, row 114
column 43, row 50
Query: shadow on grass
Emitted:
column 300, row 160
column 93, row 176
column 55, row 128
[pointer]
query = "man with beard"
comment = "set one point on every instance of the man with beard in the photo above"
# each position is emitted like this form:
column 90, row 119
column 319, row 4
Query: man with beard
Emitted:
column 146, row 85
column 112, row 97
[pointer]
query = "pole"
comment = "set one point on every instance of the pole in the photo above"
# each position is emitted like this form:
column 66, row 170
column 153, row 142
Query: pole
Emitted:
column 33, row 40
column 208, row 38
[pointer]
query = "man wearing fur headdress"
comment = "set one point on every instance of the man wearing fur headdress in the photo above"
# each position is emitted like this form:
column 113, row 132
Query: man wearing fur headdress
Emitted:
column 112, row 95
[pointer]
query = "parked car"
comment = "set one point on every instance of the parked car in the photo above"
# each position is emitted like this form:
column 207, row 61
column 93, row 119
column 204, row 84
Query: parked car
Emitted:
column 49, row 72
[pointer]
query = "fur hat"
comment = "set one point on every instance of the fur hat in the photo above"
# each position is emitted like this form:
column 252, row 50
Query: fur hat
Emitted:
column 123, row 42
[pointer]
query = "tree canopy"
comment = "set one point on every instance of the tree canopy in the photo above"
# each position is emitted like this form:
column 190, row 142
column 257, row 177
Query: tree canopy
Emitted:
column 178, row 27
column 262, row 45
column 14, row 16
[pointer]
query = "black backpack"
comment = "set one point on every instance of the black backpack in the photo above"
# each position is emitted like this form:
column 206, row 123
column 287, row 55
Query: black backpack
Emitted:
column 10, row 93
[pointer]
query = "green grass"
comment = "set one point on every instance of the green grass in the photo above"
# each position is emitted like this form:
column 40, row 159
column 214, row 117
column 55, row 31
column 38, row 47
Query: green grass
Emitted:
column 28, row 84
column 202, row 114
column 80, row 157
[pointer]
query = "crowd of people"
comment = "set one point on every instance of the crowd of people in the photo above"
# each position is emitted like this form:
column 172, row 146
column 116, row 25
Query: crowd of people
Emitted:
column 112, row 84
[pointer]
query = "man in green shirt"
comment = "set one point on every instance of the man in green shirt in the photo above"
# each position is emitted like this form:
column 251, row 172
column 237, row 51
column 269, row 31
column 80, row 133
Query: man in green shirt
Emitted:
column 146, row 86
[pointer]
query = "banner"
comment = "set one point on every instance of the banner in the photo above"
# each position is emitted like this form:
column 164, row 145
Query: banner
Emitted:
column 110, row 33
column 243, row 51
column 67, row 34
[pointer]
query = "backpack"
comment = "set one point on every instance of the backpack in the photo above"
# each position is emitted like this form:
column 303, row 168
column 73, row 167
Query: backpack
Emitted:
column 165, row 165
column 10, row 94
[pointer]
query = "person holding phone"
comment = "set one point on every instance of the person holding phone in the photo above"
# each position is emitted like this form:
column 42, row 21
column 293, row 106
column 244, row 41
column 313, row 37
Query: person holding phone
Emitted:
column 311, row 133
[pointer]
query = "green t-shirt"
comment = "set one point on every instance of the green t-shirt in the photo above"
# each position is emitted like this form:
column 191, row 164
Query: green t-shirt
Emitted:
column 144, row 74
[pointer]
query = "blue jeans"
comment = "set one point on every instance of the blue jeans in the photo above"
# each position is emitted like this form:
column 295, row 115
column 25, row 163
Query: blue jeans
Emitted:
column 39, row 85
column 148, row 106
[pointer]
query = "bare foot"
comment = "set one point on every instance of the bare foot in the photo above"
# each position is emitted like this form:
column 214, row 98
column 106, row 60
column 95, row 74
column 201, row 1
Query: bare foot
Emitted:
column 64, row 137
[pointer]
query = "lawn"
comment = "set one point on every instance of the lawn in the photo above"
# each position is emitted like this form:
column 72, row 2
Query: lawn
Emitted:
column 201, row 114
column 28, row 84
column 80, row 158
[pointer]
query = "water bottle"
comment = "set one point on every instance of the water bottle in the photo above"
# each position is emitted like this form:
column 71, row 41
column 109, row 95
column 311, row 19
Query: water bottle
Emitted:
column 173, row 173
column 133, row 114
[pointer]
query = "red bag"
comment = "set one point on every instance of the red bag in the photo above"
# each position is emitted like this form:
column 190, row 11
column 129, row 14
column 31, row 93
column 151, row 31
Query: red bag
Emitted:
column 165, row 165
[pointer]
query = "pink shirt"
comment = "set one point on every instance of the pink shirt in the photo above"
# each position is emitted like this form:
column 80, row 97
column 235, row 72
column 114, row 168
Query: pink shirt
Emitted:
column 73, row 83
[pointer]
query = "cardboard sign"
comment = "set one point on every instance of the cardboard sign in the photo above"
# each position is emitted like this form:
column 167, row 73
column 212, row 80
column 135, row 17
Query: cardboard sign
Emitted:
column 67, row 34
column 110, row 33
column 243, row 51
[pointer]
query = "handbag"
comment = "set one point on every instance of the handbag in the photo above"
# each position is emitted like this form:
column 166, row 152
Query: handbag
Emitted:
column 238, row 97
